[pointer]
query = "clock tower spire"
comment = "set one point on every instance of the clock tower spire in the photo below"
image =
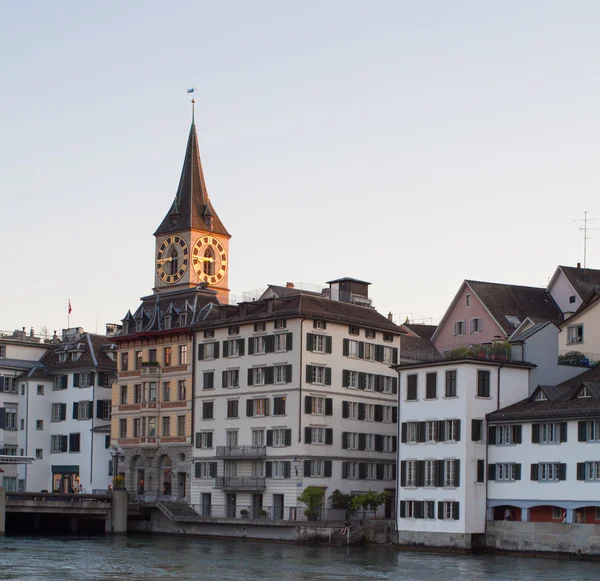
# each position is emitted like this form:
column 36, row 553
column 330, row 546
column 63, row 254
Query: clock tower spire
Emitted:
column 192, row 244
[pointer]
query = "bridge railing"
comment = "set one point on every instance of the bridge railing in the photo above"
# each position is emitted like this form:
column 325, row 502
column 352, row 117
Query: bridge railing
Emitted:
column 58, row 496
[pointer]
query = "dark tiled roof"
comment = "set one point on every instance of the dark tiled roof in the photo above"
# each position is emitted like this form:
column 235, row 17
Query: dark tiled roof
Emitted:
column 285, row 291
column 523, row 335
column 422, row 331
column 417, row 349
column 562, row 402
column 299, row 305
column 93, row 354
column 504, row 300
column 191, row 201
column 584, row 280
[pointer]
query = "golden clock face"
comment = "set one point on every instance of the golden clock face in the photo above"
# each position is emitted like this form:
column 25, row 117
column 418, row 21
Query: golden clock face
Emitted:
column 172, row 259
column 209, row 259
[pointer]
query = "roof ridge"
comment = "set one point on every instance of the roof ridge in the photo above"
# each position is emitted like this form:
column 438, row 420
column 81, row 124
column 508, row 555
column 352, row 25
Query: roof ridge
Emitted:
column 467, row 280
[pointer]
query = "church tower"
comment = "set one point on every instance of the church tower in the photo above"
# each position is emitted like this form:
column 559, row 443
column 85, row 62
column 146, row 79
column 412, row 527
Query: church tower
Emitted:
column 192, row 244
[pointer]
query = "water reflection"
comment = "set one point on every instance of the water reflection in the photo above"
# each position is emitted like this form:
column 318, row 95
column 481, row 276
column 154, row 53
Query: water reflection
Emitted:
column 186, row 559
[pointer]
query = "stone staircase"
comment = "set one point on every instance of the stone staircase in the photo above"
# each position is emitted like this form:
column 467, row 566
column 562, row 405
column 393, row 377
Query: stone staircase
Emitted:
column 176, row 510
column 355, row 537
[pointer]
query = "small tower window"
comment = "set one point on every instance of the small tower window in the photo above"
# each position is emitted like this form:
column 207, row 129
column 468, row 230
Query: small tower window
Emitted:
column 209, row 267
column 208, row 221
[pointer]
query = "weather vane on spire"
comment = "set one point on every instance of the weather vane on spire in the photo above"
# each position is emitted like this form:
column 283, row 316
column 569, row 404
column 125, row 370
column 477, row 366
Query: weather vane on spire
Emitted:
column 192, row 91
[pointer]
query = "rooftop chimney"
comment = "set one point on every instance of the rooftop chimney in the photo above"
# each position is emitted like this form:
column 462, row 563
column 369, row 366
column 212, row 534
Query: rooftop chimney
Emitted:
column 390, row 316
column 579, row 265
column 289, row 285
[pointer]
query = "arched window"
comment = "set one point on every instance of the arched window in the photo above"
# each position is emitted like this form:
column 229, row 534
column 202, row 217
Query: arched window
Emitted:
column 209, row 263
column 174, row 260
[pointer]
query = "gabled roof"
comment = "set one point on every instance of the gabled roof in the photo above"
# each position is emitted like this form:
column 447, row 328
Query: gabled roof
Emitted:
column 527, row 332
column 286, row 291
column 592, row 299
column 421, row 331
column 20, row 364
column 191, row 203
column 93, row 349
column 509, row 300
column 583, row 280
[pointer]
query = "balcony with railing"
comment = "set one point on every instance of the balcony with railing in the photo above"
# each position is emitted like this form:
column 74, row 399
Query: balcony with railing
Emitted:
column 240, row 483
column 241, row 451
column 150, row 369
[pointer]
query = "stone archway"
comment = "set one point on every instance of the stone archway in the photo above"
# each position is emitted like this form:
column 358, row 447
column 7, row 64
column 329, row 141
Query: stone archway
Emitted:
column 139, row 474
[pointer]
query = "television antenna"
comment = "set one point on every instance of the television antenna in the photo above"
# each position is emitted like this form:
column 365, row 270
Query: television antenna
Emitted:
column 586, row 236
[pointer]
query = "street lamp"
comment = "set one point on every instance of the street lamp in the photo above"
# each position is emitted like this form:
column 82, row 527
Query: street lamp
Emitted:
column 115, row 452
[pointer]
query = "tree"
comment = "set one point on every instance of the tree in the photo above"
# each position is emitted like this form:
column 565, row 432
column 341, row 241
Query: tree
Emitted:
column 312, row 497
column 369, row 500
column 341, row 500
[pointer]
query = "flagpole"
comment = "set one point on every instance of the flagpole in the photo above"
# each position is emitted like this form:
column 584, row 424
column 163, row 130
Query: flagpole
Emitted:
column 69, row 314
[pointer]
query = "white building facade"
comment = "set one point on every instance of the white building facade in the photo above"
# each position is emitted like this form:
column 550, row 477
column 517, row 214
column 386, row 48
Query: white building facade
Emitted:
column 288, row 393
column 442, row 451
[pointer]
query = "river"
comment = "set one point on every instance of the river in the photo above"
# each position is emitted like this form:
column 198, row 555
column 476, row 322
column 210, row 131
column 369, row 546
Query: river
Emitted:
column 182, row 559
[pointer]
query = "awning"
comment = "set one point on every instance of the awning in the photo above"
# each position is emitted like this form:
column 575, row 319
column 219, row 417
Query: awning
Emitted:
column 69, row 469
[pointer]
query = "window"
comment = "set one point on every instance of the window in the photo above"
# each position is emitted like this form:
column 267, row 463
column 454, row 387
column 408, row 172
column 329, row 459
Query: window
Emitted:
column 451, row 476
column 388, row 414
column 352, row 377
column 259, row 407
column 137, row 425
column 483, row 383
column 181, row 390
column 234, row 330
column 467, row 300
column 207, row 410
column 370, row 334
column 584, row 393
column 352, row 470
column 389, row 472
column 506, row 472
column 452, row 430
column 318, row 405
column 369, row 382
column 318, row 374
column 549, row 433
column 352, row 330
column 59, row 412
column 138, row 359
column 123, row 428
column 352, row 410
column 281, row 342
column 22, row 424
column 209, row 333
column 589, row 431
column 123, row 396
column 208, row 351
column 351, row 440
column 232, row 408
column 152, row 355
column 204, row 440
column 231, row 348
column 319, row 324
column 39, row 424
column 477, row 430
column 541, row 396
column 74, row 442
column 575, row 334
column 318, row 343
column 166, row 391
column 152, row 427
column 258, row 437
column 480, row 478
column 476, row 325
column 592, row 470
column 259, row 376
column 231, row 378
column 39, row 453
column 260, row 345
column 281, row 373
column 231, row 437
column 40, row 390
column 412, row 432
column 2, row 351
column 388, row 443
column 388, row 337
column 137, row 393
column 86, row 380
column 449, row 510
column 62, row 357
column 181, row 426
column 166, row 426
column 318, row 436
column 371, row 471
column 411, row 387
column 60, row 382
column 370, row 412
column 387, row 384
column 183, row 354
column 317, row 469
column 431, row 431
column 10, row 418
column 279, row 406
column 152, row 387
column 431, row 386
column 506, row 435
column 370, row 442
column 388, row 355
column 459, row 328
column 280, row 324
column 451, row 383
column 279, row 437
column 548, row 471
column 411, row 473
column 167, row 356
column 208, row 380
column 205, row 470
column 58, row 444
column 259, row 327
column 430, row 474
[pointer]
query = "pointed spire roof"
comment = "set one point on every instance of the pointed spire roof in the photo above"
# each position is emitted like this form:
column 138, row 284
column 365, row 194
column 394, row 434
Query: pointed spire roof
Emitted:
column 192, row 204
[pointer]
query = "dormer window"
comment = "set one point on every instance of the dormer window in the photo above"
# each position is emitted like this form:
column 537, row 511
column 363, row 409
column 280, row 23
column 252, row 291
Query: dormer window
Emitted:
column 584, row 393
column 75, row 356
column 541, row 397
column 208, row 221
column 138, row 325
column 168, row 321
column 183, row 319
column 62, row 357
column 572, row 299
column 514, row 321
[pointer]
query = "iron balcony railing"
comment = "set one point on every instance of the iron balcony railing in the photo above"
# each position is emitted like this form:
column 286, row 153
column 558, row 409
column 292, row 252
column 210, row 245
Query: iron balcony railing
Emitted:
column 240, row 482
column 241, row 451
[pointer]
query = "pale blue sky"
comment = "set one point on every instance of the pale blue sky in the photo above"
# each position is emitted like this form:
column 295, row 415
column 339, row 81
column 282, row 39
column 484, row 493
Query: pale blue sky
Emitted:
column 411, row 144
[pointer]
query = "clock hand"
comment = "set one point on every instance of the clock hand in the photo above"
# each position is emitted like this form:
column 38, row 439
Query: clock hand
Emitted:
column 163, row 260
column 203, row 258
